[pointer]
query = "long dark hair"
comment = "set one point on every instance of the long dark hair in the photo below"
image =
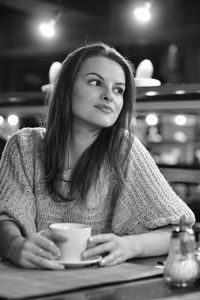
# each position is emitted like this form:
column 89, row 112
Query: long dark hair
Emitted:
column 59, row 126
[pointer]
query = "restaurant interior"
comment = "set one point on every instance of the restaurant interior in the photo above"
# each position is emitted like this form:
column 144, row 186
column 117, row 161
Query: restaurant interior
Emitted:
column 164, row 34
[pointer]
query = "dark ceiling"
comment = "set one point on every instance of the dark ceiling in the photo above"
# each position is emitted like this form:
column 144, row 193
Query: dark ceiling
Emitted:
column 90, row 20
column 25, row 56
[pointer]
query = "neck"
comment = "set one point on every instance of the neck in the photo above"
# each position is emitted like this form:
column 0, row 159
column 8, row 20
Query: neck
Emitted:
column 82, row 138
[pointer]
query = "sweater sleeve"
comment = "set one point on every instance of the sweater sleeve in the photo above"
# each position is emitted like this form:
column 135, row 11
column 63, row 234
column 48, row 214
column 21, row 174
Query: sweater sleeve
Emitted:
column 148, row 201
column 17, row 201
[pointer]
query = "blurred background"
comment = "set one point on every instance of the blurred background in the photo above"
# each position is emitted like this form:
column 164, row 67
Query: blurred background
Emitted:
column 36, row 33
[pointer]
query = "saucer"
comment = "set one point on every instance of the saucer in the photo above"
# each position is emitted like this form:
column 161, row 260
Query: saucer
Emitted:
column 82, row 263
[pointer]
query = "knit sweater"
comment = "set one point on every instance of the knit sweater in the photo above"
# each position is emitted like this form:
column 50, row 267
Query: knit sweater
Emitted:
column 146, row 202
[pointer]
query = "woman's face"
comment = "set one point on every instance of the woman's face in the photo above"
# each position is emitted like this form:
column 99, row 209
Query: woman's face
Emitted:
column 97, row 97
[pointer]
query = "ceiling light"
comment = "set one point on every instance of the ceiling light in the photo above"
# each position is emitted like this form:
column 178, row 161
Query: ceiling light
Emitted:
column 143, row 13
column 47, row 29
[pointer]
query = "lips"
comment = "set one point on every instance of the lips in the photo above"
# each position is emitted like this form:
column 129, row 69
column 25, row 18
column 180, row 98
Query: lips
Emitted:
column 104, row 107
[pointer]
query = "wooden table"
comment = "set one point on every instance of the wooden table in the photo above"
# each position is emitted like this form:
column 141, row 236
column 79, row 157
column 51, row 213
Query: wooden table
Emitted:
column 155, row 288
column 143, row 289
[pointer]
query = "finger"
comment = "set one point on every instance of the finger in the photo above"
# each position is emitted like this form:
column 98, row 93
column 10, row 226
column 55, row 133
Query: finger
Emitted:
column 111, row 259
column 47, row 245
column 34, row 245
column 29, row 260
column 24, row 261
column 99, row 249
column 43, row 263
column 100, row 238
column 28, row 265
column 45, row 254
column 116, row 261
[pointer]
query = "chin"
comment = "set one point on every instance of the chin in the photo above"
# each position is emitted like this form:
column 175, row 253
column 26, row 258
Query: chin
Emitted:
column 105, row 122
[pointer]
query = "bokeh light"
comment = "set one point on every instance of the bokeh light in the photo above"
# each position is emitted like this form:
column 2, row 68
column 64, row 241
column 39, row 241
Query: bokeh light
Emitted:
column 180, row 120
column 47, row 29
column 151, row 119
column 143, row 13
column 13, row 120
column 1, row 120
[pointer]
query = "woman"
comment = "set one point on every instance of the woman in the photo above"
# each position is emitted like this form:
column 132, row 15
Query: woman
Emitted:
column 86, row 167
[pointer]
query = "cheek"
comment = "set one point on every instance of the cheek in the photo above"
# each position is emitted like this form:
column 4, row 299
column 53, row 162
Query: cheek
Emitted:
column 119, row 106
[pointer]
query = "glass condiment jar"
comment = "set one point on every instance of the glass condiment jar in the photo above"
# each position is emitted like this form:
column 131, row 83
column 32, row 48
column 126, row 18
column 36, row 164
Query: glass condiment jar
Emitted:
column 182, row 267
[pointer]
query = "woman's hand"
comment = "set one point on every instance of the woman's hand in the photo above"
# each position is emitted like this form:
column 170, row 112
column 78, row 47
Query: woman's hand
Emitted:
column 37, row 251
column 117, row 248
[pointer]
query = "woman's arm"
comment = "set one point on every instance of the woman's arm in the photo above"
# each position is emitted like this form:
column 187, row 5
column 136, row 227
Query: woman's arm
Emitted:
column 153, row 243
column 37, row 250
column 9, row 231
column 120, row 249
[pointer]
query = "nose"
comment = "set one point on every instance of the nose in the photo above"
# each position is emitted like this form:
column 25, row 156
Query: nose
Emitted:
column 107, row 95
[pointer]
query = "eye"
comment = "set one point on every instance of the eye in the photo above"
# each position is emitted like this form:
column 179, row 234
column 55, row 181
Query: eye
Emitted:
column 95, row 82
column 119, row 90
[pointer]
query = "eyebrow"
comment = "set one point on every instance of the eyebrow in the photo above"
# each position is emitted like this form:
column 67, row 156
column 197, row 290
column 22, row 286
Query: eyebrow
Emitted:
column 93, row 73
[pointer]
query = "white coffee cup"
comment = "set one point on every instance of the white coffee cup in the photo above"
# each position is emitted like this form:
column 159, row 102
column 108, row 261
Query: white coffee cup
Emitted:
column 77, row 236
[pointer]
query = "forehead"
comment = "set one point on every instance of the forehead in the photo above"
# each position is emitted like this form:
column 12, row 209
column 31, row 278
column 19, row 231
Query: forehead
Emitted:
column 103, row 66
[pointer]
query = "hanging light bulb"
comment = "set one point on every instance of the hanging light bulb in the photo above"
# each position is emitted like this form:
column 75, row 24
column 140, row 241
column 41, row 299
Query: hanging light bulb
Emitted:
column 47, row 29
column 143, row 13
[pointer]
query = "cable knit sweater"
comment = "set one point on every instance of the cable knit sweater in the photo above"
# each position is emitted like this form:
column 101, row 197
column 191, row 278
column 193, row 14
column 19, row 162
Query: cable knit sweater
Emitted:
column 146, row 202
